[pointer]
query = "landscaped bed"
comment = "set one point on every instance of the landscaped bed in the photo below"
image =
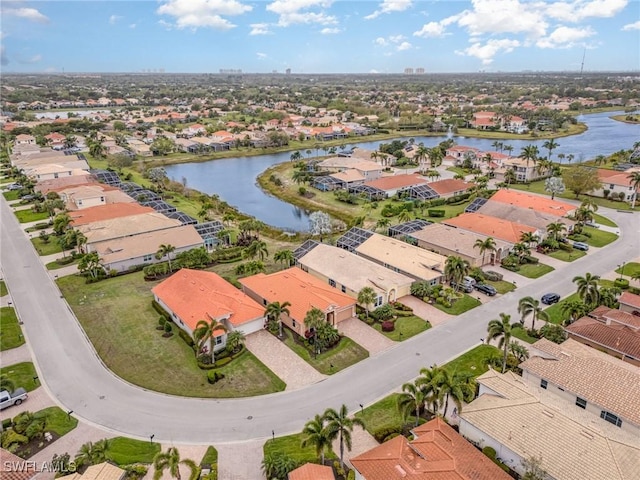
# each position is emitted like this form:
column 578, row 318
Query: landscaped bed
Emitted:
column 46, row 248
column 10, row 332
column 162, row 364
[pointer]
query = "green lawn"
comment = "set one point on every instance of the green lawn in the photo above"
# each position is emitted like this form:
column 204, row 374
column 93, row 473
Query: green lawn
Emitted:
column 534, row 270
column 502, row 286
column 383, row 414
column 291, row 445
column 22, row 375
column 3, row 288
column 10, row 331
column 210, row 456
column 55, row 265
column 57, row 420
column 11, row 195
column 26, row 216
column 345, row 354
column 555, row 312
column 567, row 256
column 458, row 170
column 603, row 220
column 450, row 211
column 407, row 326
column 49, row 248
column 475, row 361
column 521, row 333
column 459, row 306
column 599, row 238
column 628, row 270
column 161, row 364
column 126, row 451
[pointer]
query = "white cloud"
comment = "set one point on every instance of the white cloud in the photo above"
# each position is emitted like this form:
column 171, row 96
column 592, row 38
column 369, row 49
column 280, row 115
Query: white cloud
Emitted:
column 403, row 46
column 27, row 13
column 396, row 38
column 133, row 25
column 260, row 29
column 579, row 10
column 261, row 55
column 203, row 13
column 632, row 26
column 431, row 29
column 166, row 25
column 329, row 31
column 486, row 52
column 502, row 16
column 565, row 37
column 390, row 6
column 113, row 19
column 293, row 12
column 381, row 41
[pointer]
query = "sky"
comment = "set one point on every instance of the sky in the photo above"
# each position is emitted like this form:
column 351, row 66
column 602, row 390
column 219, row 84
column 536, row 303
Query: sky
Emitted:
column 319, row 36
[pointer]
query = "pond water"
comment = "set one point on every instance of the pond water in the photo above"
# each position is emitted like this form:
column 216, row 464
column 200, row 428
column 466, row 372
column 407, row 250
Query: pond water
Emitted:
column 234, row 179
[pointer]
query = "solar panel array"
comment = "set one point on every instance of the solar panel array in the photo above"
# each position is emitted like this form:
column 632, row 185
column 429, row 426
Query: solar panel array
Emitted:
column 144, row 195
column 369, row 191
column 407, row 227
column 209, row 230
column 107, row 176
column 475, row 205
column 423, row 192
column 305, row 248
column 353, row 238
column 183, row 217
column 159, row 206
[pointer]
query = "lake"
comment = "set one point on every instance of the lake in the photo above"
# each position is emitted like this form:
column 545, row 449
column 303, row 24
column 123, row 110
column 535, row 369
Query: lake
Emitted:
column 234, row 179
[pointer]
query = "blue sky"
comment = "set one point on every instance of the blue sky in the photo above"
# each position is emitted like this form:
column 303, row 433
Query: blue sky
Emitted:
column 319, row 36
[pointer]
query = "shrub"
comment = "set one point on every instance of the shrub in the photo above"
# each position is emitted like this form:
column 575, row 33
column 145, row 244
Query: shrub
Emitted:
column 6, row 423
column 621, row 283
column 223, row 361
column 578, row 237
column 167, row 327
column 436, row 213
column 156, row 306
column 135, row 472
column 351, row 475
column 388, row 326
column 565, row 246
column 11, row 437
column 401, row 306
column 382, row 313
column 186, row 337
column 384, row 433
column 489, row 452
column 161, row 321
column 530, row 259
column 493, row 276
column 214, row 376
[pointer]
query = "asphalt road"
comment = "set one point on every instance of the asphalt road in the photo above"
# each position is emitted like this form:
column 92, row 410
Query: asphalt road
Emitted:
column 77, row 379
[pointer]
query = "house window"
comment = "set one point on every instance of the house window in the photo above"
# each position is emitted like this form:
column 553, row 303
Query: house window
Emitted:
column 344, row 289
column 378, row 301
column 293, row 322
column 264, row 301
column 332, row 282
column 543, row 384
column 218, row 340
column 581, row 402
column 147, row 258
column 611, row 418
column 612, row 186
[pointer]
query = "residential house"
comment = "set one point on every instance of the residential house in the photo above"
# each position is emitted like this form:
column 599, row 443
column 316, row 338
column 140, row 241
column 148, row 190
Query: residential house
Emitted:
column 514, row 124
column 494, row 227
column 193, row 130
column 521, row 421
column 55, row 140
column 447, row 240
column 617, row 185
column 122, row 254
column 46, row 186
column 457, row 154
column 101, row 471
column 484, row 121
column 526, row 216
column 613, row 331
column 451, row 187
column 536, row 202
column 312, row 471
column 393, row 184
column 185, row 145
column 23, row 139
column 121, row 227
column 630, row 302
column 351, row 273
column 108, row 211
column 368, row 169
column 12, row 467
column 525, row 171
column 436, row 452
column 189, row 296
column 304, row 292
column 86, row 196
column 50, row 171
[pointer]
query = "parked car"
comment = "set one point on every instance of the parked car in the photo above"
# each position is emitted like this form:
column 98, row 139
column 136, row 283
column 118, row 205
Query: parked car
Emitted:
column 581, row 246
column 462, row 287
column 550, row 298
column 16, row 397
column 14, row 186
column 486, row 289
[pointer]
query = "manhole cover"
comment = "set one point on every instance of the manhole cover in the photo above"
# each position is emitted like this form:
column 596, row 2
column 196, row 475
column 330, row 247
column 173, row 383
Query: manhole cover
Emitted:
column 417, row 354
column 250, row 417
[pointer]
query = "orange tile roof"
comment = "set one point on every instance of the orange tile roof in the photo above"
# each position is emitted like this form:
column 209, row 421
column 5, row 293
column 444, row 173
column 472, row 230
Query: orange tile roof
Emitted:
column 13, row 467
column 46, row 186
column 396, row 181
column 302, row 290
column 536, row 202
column 631, row 299
column 490, row 226
column 437, row 453
column 450, row 185
column 195, row 295
column 312, row 471
column 615, row 336
column 106, row 212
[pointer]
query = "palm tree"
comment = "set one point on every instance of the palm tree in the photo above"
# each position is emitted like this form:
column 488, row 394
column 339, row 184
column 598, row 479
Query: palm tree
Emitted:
column 203, row 333
column 383, row 223
column 278, row 464
column 634, row 178
column 529, row 238
column 257, row 248
column 573, row 310
column 555, row 229
column 411, row 401
column 588, row 288
column 428, row 383
column 284, row 256
column 92, row 453
column 170, row 460
column 510, row 176
column 404, row 216
column 529, row 153
column 317, row 435
column 166, row 251
column 7, row 383
column 366, row 297
column 275, row 310
column 501, row 329
column 550, row 145
column 456, row 386
column 519, row 351
column 455, row 269
column 340, row 425
column 235, row 340
column 61, row 223
column 488, row 244
column 530, row 306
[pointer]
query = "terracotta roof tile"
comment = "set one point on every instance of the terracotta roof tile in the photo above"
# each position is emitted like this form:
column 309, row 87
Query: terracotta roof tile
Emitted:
column 490, row 226
column 450, row 185
column 630, row 299
column 615, row 336
column 537, row 202
column 107, row 212
column 312, row 471
column 10, row 467
column 396, row 181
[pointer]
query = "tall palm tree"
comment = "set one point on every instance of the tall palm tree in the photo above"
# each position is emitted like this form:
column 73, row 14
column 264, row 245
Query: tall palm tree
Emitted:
column 275, row 310
column 383, row 223
column 284, row 256
column 92, row 453
column 530, row 153
column 555, row 229
column 455, row 269
column 257, row 248
column 510, row 176
column 166, row 251
column 339, row 424
column 170, row 460
column 411, row 400
column 317, row 435
column 529, row 238
column 519, row 351
column 588, row 288
column 501, row 329
column 366, row 297
column 404, row 216
column 455, row 386
column 428, row 383
column 634, row 178
column 204, row 332
column 573, row 310
column 530, row 306
column 488, row 244
column 314, row 318
column 550, row 145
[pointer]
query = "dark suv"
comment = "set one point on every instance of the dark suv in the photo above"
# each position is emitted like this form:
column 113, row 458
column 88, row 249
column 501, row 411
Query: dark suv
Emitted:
column 550, row 298
column 486, row 289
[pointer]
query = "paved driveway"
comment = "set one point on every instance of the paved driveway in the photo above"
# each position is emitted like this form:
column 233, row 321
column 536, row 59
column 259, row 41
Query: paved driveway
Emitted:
column 425, row 311
column 282, row 361
column 368, row 337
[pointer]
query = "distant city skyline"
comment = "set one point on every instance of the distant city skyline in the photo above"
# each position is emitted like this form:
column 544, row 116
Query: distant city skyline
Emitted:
column 319, row 36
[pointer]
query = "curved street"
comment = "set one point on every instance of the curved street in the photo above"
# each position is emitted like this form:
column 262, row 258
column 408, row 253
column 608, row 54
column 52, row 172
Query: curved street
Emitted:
column 77, row 379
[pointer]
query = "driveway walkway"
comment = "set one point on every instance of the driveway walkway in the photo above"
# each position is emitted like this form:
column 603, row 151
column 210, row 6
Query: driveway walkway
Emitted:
column 240, row 461
column 37, row 400
column 425, row 311
column 282, row 361
column 15, row 355
column 368, row 337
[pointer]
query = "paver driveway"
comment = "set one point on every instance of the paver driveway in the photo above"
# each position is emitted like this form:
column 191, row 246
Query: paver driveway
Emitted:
column 366, row 336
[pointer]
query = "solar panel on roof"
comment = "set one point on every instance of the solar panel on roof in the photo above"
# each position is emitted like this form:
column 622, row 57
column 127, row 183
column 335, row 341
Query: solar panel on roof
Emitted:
column 305, row 248
column 353, row 238
column 183, row 217
column 475, row 205
column 407, row 227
